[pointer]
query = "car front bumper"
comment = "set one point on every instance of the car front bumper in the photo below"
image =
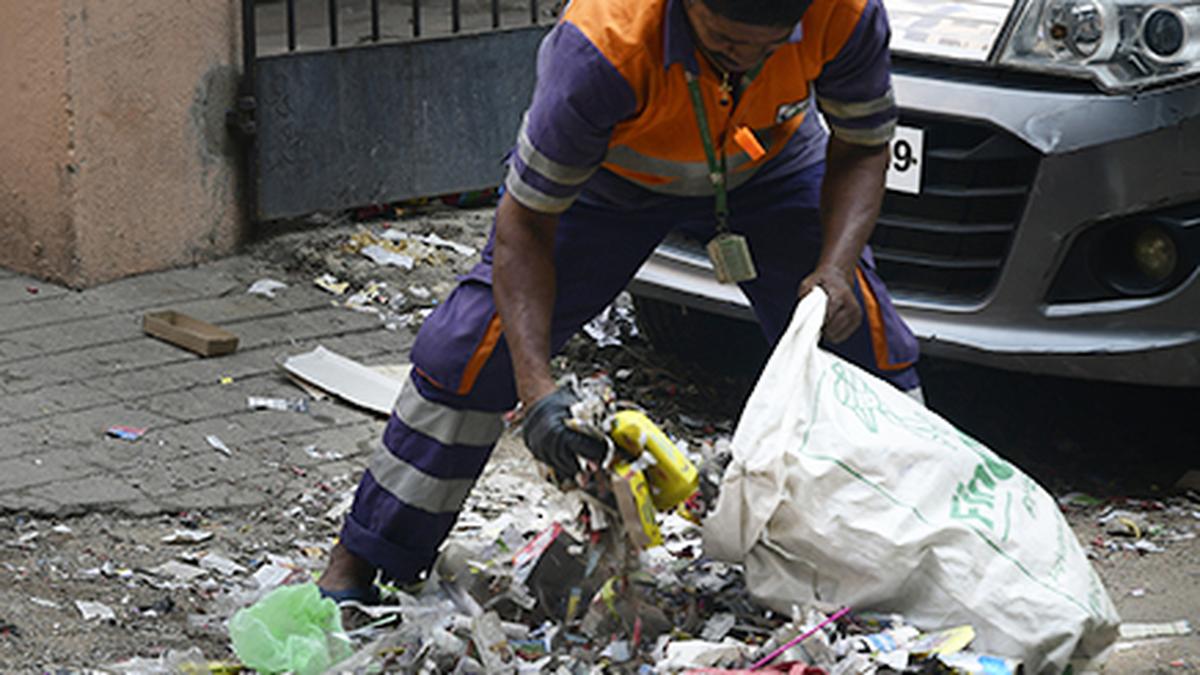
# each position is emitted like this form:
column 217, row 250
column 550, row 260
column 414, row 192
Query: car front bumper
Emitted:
column 1101, row 157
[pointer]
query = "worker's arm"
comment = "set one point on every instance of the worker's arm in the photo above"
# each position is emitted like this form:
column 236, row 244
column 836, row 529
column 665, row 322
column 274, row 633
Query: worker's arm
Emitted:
column 850, row 199
column 524, row 288
column 523, row 282
column 854, row 94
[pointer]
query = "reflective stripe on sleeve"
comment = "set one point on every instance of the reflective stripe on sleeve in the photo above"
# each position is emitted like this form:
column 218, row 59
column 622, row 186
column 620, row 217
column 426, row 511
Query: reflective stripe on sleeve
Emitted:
column 879, row 135
column 445, row 424
column 852, row 109
column 682, row 179
column 532, row 197
column 416, row 488
column 559, row 173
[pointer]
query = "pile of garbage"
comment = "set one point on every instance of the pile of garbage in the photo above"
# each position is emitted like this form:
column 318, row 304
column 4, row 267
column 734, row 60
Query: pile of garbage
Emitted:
column 614, row 578
column 561, row 603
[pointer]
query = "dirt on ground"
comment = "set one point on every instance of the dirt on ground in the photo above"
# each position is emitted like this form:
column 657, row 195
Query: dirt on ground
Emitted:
column 1142, row 537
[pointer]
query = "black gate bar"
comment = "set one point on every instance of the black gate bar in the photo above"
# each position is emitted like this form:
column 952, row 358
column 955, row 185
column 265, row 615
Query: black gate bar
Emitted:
column 376, row 21
column 333, row 23
column 291, row 25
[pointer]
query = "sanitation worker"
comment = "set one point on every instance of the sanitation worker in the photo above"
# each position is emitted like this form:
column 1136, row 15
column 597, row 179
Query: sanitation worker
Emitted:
column 648, row 115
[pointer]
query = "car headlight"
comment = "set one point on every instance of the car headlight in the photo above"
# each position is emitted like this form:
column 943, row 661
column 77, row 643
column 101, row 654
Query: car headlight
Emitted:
column 1120, row 44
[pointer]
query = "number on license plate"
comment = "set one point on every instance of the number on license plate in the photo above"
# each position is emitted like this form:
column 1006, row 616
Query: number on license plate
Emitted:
column 904, row 169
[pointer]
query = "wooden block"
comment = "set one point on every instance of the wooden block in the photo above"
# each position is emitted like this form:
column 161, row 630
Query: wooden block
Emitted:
column 192, row 334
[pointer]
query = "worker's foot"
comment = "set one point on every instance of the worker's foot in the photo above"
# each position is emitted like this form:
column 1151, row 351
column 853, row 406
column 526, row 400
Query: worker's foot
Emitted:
column 347, row 577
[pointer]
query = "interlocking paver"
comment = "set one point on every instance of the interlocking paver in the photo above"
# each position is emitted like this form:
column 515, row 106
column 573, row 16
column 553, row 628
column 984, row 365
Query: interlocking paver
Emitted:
column 73, row 363
column 52, row 400
column 20, row 289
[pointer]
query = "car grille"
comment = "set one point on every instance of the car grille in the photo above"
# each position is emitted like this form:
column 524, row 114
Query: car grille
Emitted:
column 951, row 240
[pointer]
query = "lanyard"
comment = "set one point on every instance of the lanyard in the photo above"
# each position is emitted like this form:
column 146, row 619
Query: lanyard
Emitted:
column 716, row 170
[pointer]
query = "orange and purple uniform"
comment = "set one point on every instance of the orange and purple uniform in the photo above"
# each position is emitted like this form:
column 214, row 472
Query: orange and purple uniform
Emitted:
column 611, row 143
column 612, row 117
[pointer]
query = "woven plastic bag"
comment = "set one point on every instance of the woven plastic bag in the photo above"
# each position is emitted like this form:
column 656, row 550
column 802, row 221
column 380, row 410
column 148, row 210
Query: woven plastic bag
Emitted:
column 845, row 490
column 290, row 629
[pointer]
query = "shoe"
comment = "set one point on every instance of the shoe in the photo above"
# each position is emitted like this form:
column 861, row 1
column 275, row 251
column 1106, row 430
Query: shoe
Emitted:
column 368, row 595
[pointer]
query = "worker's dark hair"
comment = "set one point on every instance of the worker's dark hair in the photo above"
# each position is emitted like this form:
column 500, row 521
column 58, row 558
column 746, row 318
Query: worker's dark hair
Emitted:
column 760, row 12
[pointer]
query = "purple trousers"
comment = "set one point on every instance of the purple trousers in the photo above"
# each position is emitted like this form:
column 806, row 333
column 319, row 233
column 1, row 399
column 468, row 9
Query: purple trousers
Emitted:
column 449, row 414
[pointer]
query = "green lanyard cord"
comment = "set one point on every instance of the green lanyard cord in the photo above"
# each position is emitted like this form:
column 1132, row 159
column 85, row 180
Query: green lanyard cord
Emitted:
column 716, row 170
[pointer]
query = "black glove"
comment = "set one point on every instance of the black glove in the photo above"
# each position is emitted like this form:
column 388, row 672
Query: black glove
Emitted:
column 552, row 442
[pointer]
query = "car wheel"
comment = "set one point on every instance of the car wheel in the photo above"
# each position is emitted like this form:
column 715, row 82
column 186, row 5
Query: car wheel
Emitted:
column 717, row 344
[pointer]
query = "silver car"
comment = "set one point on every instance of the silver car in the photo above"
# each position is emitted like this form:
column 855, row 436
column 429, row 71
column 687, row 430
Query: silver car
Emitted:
column 1043, row 204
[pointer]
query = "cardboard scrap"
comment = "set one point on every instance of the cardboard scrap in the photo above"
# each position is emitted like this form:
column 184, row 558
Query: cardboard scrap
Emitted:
column 190, row 333
column 345, row 378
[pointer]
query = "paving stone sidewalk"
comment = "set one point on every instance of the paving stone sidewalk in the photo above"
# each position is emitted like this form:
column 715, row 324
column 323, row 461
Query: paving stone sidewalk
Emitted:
column 74, row 363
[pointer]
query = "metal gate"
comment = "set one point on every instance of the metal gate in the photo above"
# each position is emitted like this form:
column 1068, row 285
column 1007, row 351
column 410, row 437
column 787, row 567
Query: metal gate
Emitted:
column 388, row 118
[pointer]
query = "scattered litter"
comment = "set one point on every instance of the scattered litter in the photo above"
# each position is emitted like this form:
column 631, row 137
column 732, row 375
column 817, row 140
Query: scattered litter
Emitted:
column 24, row 541
column 615, row 322
column 159, row 607
column 299, row 405
column 126, row 433
column 266, row 287
column 219, row 445
column 332, row 284
column 1142, row 631
column 420, row 293
column 221, row 564
column 383, row 256
column 189, row 661
column 42, row 602
column 95, row 610
column 32, row 290
column 718, row 626
column 61, row 529
column 190, row 333
column 1143, row 546
column 271, row 575
column 187, row 537
column 430, row 239
column 7, row 628
column 804, row 636
column 345, row 378
column 339, row 510
column 225, row 380
column 323, row 455
column 1137, row 592
column 178, row 571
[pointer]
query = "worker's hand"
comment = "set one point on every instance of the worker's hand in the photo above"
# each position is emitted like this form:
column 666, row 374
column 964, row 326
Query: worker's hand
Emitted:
column 552, row 442
column 842, row 313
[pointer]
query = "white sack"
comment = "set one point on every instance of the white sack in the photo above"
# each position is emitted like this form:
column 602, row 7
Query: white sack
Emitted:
column 843, row 489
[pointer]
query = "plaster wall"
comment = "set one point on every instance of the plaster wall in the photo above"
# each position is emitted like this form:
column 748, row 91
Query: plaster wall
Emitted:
column 120, row 162
column 157, row 170
column 36, row 232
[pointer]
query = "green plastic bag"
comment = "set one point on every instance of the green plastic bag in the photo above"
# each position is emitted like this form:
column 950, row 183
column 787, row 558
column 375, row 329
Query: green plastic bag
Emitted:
column 291, row 628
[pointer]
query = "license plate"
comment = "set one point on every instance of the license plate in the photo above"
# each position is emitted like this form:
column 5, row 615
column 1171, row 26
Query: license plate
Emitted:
column 904, row 169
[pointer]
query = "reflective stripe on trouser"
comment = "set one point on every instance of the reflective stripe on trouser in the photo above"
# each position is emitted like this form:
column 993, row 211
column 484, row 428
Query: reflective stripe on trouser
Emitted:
column 447, row 418
column 439, row 439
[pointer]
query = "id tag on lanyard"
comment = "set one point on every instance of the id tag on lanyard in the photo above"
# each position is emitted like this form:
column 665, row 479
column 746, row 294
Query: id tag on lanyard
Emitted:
column 730, row 256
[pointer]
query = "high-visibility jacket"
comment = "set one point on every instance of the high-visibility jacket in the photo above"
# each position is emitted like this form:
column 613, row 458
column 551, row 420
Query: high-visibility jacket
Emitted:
column 612, row 115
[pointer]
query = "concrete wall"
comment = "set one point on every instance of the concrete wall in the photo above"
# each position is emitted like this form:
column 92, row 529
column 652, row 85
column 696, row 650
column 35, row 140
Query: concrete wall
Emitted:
column 36, row 233
column 118, row 161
